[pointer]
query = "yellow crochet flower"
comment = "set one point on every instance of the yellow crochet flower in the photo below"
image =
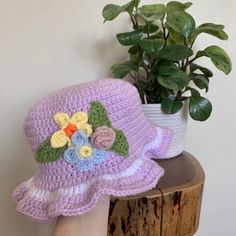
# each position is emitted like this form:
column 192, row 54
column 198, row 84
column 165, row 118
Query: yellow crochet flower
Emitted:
column 68, row 125
column 85, row 151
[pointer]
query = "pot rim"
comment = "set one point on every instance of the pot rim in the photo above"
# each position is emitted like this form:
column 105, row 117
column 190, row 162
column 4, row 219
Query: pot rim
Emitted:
column 152, row 104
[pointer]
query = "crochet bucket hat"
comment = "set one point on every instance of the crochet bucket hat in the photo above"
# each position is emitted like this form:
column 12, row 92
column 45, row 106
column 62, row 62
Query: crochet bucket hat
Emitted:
column 89, row 140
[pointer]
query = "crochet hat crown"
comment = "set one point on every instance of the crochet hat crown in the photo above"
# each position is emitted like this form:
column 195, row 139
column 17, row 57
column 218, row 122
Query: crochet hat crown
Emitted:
column 119, row 100
column 89, row 140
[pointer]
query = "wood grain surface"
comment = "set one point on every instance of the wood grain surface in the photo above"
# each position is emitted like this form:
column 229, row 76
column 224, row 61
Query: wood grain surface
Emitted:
column 171, row 209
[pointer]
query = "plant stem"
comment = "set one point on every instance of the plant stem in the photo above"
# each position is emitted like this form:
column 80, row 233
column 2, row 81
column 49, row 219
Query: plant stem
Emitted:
column 164, row 33
column 191, row 61
column 186, row 65
column 136, row 16
column 131, row 17
column 150, row 99
column 146, row 69
column 191, row 46
column 136, row 79
column 185, row 90
column 148, row 33
column 164, row 30
column 179, row 94
column 133, row 77
column 167, row 36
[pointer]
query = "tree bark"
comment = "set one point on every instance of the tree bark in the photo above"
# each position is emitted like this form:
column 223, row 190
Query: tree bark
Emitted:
column 171, row 209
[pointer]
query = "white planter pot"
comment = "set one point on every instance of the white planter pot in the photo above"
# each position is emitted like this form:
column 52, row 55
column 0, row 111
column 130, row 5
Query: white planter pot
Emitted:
column 176, row 122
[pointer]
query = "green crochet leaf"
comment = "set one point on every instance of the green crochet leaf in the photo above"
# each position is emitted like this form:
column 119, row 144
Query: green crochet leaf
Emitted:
column 98, row 115
column 46, row 153
column 120, row 146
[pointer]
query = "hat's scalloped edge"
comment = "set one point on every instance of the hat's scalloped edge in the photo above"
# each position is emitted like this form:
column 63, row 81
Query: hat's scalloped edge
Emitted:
column 65, row 207
column 159, row 146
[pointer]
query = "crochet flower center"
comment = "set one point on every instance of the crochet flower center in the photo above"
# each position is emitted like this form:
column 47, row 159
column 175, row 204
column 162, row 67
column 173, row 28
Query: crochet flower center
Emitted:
column 70, row 129
column 85, row 151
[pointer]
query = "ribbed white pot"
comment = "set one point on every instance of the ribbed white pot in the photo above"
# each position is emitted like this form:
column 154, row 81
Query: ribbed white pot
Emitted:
column 176, row 122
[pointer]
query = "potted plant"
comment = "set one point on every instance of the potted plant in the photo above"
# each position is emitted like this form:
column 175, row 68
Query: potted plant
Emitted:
column 163, row 64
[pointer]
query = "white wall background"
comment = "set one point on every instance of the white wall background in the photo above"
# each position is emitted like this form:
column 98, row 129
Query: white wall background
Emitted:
column 48, row 44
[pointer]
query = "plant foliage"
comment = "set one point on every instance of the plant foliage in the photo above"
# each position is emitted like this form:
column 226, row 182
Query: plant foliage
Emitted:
column 161, row 57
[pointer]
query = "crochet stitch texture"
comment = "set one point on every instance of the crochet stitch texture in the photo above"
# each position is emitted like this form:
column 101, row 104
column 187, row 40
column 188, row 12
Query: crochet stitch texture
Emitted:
column 59, row 187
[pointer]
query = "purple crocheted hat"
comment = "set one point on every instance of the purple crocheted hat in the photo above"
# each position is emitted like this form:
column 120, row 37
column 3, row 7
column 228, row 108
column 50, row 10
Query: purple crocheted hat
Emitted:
column 89, row 140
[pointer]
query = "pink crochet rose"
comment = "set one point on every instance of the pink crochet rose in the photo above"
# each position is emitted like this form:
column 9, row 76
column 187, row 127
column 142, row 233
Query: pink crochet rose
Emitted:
column 103, row 137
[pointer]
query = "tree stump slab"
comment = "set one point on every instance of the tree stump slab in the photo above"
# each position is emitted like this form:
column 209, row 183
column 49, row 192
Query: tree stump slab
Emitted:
column 171, row 209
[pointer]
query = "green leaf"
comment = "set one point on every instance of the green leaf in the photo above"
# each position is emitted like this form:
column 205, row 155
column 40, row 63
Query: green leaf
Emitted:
column 158, row 35
column 135, row 58
column 46, row 153
column 153, row 12
column 136, row 2
column 177, row 6
column 200, row 108
column 201, row 81
column 175, row 36
column 182, row 23
column 187, row 5
column 142, row 84
column 173, row 82
column 169, row 68
column 133, row 50
column 165, row 93
column 205, row 71
column 111, row 11
column 150, row 10
column 98, row 115
column 193, row 91
column 175, row 52
column 212, row 29
column 170, row 41
column 121, row 70
column 218, row 56
column 172, row 77
column 155, row 17
column 129, row 38
column 120, row 146
column 150, row 28
column 151, row 46
column 135, row 55
column 171, row 106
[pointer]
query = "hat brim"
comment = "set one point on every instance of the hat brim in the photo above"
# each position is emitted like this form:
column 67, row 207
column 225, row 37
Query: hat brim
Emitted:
column 159, row 145
column 44, row 206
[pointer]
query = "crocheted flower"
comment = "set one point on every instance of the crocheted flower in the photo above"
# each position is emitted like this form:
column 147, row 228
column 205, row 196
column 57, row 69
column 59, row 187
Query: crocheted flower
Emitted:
column 68, row 126
column 103, row 137
column 82, row 154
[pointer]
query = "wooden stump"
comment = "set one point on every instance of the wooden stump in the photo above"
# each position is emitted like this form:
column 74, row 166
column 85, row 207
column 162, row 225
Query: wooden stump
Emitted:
column 171, row 209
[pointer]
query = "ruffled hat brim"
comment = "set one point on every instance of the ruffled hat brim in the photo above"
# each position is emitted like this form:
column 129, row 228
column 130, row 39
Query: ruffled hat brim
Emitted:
column 44, row 205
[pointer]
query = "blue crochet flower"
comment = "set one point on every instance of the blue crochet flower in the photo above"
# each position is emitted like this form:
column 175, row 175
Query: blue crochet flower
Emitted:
column 82, row 154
